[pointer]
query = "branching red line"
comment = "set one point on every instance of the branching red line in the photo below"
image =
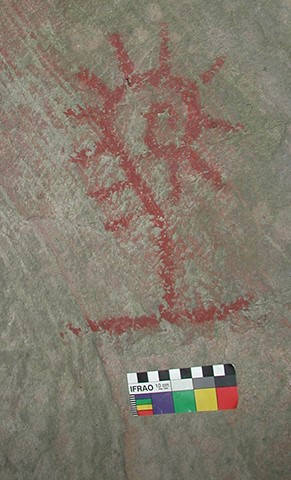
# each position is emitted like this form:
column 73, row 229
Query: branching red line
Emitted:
column 119, row 325
column 189, row 92
column 93, row 82
column 114, row 145
column 111, row 143
column 152, row 77
column 164, row 240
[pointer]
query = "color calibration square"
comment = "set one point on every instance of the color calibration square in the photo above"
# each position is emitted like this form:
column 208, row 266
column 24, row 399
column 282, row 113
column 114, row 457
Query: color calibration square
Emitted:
column 182, row 390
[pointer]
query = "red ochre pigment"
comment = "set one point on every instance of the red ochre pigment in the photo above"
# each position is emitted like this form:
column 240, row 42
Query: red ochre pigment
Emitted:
column 102, row 120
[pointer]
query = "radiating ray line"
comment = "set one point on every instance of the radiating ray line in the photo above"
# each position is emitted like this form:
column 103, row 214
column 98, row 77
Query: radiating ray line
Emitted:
column 165, row 54
column 125, row 64
column 206, row 171
column 209, row 123
column 208, row 75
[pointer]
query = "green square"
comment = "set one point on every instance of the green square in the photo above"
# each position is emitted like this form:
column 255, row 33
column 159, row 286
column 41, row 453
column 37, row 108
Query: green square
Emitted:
column 144, row 401
column 184, row 401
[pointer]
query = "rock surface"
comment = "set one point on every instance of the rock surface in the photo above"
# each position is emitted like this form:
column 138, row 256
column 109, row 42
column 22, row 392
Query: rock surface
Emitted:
column 145, row 191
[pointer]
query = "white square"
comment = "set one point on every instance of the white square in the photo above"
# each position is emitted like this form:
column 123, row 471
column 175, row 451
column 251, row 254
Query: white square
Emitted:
column 184, row 384
column 196, row 372
column 132, row 378
column 175, row 374
column 153, row 376
column 218, row 370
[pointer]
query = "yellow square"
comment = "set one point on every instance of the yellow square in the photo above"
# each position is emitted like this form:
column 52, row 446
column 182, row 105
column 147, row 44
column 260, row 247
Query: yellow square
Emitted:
column 206, row 399
column 144, row 407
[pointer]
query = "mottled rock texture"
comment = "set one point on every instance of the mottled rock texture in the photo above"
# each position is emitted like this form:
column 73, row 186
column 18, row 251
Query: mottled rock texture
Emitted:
column 145, row 224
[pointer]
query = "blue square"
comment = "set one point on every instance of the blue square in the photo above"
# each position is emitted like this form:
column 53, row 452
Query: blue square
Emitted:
column 163, row 403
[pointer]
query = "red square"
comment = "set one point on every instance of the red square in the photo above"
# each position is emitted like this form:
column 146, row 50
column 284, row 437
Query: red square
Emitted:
column 227, row 398
column 144, row 413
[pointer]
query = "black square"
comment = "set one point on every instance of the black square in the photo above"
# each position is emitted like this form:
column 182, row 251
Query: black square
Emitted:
column 229, row 369
column 142, row 377
column 225, row 381
column 185, row 372
column 208, row 371
column 164, row 375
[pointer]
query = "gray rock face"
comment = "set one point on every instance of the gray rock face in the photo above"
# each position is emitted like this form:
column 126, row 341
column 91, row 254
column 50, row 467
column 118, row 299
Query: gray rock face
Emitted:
column 145, row 225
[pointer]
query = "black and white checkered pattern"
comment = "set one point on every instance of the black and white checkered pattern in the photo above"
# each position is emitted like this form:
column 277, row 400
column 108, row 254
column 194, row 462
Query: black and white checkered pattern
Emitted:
column 175, row 374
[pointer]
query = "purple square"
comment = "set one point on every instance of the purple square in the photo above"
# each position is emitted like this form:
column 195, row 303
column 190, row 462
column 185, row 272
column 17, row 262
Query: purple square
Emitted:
column 162, row 403
column 143, row 396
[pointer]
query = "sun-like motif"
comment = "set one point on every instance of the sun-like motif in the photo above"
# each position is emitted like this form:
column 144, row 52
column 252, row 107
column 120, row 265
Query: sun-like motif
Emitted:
column 186, row 128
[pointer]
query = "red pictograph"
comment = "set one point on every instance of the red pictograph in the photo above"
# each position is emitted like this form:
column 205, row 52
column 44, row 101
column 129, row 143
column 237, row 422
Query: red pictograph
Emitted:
column 175, row 103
